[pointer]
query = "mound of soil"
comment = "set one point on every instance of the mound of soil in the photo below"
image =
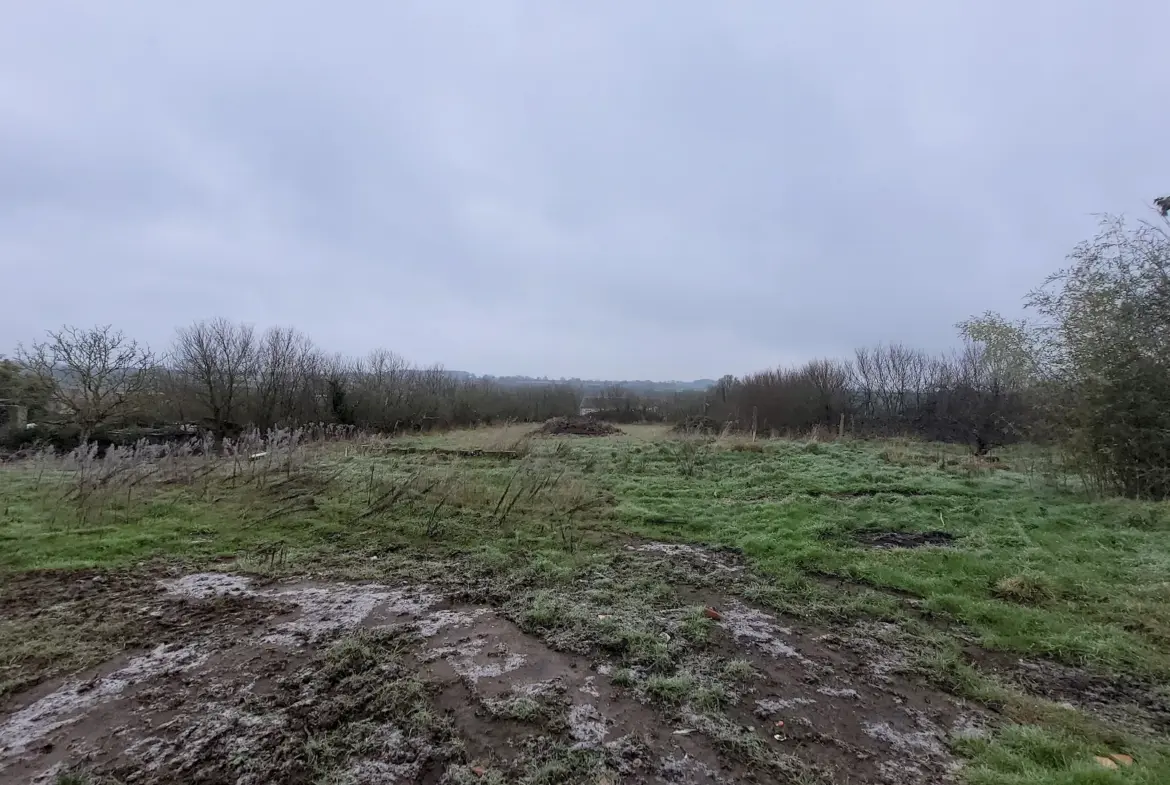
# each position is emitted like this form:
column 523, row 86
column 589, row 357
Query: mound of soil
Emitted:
column 697, row 424
column 577, row 426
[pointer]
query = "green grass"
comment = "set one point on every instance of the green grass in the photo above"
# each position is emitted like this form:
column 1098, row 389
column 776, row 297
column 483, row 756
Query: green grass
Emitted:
column 1029, row 755
column 793, row 510
column 1037, row 567
column 671, row 690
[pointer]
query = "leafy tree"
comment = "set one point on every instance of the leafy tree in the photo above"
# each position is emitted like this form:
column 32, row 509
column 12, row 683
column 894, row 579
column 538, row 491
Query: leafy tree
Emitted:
column 1010, row 350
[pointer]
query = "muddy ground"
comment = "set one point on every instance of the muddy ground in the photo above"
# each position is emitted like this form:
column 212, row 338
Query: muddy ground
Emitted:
column 228, row 678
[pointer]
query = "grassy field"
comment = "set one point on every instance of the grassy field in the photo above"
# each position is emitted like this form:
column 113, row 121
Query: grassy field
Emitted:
column 1018, row 562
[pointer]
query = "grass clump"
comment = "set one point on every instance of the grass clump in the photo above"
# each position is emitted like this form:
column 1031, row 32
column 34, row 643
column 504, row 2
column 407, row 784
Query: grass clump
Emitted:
column 1024, row 589
column 696, row 626
column 739, row 671
column 669, row 690
column 520, row 708
column 624, row 677
column 711, row 697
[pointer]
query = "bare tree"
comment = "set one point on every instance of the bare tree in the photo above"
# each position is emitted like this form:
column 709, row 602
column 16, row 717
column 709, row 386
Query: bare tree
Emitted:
column 865, row 380
column 283, row 358
column 217, row 360
column 902, row 362
column 94, row 376
column 380, row 389
column 339, row 378
column 883, row 376
column 830, row 382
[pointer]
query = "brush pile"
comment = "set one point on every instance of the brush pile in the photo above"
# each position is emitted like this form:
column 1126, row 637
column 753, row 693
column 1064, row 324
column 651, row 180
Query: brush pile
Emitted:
column 577, row 426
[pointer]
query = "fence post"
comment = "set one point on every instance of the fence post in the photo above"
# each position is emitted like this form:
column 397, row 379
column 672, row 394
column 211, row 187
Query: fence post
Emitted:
column 755, row 421
column 841, row 427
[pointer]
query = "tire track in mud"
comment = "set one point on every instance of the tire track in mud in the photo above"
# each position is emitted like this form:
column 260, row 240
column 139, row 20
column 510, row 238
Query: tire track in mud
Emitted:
column 198, row 706
column 191, row 708
column 846, row 700
column 502, row 667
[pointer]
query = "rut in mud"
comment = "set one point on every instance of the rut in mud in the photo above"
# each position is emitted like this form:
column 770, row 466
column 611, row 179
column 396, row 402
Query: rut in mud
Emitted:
column 367, row 683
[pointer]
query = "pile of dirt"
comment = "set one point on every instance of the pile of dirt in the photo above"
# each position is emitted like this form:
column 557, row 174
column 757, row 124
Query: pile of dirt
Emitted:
column 698, row 424
column 577, row 426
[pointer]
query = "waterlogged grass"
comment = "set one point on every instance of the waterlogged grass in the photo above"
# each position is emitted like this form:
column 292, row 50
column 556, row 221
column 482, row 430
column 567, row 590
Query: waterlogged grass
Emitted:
column 1036, row 567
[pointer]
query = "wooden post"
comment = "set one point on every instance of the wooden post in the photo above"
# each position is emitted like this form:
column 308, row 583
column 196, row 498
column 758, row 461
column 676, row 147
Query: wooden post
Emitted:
column 755, row 421
column 841, row 427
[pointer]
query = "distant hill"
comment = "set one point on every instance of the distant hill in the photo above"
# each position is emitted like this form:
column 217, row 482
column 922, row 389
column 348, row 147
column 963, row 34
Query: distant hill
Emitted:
column 594, row 385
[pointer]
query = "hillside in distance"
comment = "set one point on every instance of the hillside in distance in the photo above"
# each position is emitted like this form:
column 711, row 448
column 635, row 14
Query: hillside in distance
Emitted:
column 594, row 385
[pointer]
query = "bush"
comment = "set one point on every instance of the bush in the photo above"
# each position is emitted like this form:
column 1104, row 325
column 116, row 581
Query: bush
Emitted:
column 1109, row 317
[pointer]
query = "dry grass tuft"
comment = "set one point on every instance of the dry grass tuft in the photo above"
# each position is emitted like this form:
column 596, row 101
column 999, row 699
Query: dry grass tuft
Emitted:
column 1023, row 590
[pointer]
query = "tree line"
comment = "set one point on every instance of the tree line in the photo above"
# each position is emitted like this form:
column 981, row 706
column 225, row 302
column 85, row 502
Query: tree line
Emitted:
column 1089, row 370
column 224, row 376
column 969, row 395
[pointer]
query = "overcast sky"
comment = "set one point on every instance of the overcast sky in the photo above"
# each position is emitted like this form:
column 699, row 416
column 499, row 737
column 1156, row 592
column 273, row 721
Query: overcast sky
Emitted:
column 606, row 189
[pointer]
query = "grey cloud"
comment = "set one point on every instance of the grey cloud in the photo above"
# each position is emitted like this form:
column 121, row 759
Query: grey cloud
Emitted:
column 604, row 189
